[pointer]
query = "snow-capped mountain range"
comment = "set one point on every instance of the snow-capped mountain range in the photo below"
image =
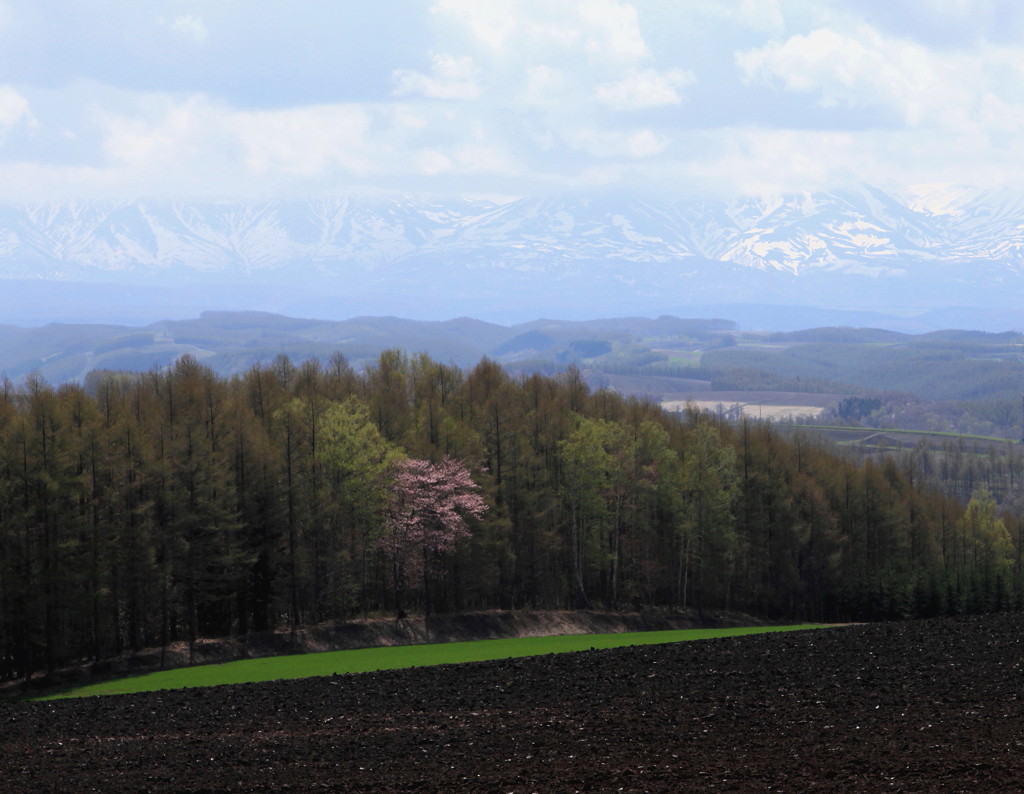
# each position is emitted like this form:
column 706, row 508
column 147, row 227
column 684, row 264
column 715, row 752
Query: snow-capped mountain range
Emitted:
column 380, row 253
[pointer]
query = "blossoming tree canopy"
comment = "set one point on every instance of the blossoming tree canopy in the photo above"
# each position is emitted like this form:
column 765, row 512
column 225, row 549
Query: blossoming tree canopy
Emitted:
column 428, row 505
column 426, row 513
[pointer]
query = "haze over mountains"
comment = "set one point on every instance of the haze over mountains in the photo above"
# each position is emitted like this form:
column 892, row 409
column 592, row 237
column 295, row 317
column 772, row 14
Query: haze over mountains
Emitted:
column 901, row 254
column 231, row 342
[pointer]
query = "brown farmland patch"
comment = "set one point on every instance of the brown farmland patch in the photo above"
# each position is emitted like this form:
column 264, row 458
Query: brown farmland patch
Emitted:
column 916, row 707
column 778, row 406
column 778, row 413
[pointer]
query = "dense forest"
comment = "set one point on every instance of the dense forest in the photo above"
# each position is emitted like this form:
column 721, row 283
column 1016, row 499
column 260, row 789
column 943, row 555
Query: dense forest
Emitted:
column 138, row 510
column 935, row 366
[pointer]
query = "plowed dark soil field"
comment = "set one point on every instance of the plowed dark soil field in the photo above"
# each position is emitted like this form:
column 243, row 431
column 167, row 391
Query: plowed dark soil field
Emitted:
column 920, row 706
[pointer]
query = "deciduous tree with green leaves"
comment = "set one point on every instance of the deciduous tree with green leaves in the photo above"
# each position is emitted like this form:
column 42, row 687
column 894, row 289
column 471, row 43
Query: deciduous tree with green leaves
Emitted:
column 709, row 481
column 357, row 461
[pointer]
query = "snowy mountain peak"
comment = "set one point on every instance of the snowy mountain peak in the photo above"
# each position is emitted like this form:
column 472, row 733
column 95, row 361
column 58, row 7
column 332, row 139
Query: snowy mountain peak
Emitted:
column 923, row 242
column 940, row 198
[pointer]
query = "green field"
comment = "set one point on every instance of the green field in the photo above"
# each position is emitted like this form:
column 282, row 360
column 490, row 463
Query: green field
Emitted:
column 365, row 660
column 860, row 431
column 680, row 358
column 848, row 436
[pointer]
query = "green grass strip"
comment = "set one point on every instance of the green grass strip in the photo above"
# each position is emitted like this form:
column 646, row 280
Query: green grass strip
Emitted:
column 364, row 660
column 897, row 431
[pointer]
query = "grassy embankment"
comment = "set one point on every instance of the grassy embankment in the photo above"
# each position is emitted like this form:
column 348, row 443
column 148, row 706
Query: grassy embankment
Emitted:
column 364, row 660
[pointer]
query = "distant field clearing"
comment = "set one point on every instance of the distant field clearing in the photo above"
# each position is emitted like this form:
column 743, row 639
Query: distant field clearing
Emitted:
column 753, row 410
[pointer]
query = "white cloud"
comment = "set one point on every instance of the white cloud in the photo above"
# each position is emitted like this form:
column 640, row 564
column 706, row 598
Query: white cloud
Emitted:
column 646, row 88
column 195, row 139
column 605, row 144
column 545, row 85
column 762, row 15
column 404, row 117
column 14, row 109
column 27, row 181
column 163, row 133
column 754, row 161
column 869, row 70
column 958, row 113
column 491, row 22
column 645, row 143
column 765, row 16
column 531, row 92
column 191, row 27
column 197, row 145
column 606, row 32
column 844, row 69
column 481, row 158
column 614, row 29
column 748, row 160
column 306, row 141
column 565, row 34
column 432, row 162
column 466, row 159
column 450, row 77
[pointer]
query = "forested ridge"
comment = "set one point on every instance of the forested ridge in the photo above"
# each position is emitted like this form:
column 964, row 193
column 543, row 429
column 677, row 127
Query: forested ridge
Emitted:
column 177, row 504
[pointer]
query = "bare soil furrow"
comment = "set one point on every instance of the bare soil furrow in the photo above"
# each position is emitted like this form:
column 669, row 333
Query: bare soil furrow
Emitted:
column 914, row 707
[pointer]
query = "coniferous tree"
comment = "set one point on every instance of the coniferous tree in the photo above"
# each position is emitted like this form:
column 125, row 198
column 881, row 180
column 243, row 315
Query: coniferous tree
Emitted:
column 148, row 509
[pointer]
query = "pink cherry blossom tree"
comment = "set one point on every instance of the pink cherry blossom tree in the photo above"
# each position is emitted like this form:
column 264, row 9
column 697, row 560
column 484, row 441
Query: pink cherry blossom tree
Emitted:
column 425, row 516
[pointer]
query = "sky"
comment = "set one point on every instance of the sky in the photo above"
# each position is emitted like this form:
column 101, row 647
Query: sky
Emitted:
column 258, row 98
